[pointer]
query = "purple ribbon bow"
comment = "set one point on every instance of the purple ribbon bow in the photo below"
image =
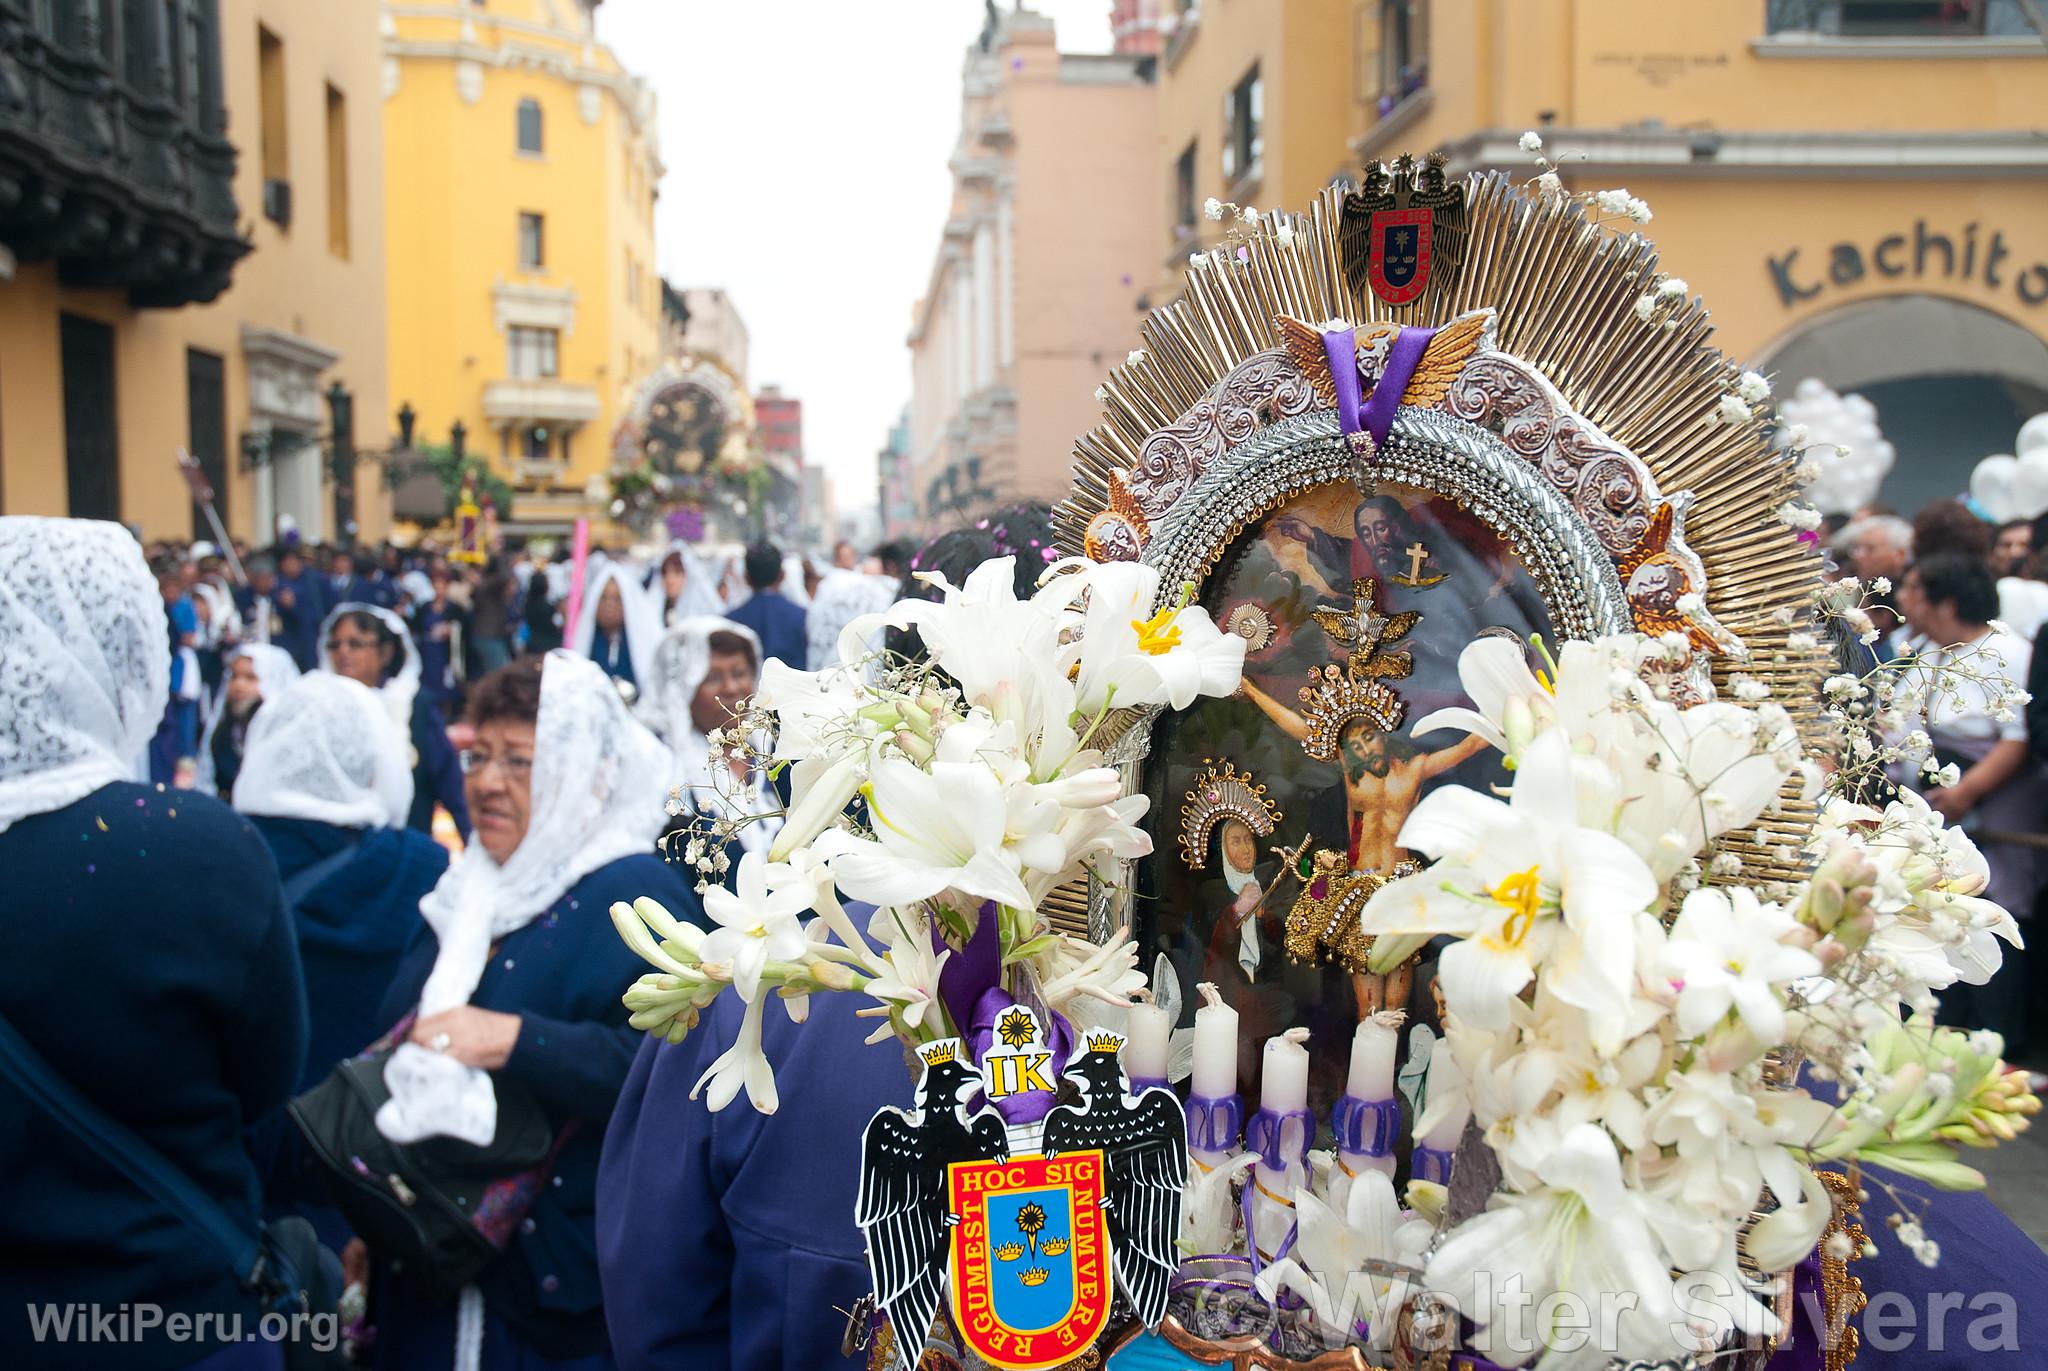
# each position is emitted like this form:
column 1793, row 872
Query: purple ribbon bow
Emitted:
column 1374, row 416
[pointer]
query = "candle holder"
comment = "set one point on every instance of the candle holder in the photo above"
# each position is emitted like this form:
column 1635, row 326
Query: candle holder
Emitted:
column 1269, row 1200
column 1215, row 1124
column 1366, row 1131
column 1431, row 1164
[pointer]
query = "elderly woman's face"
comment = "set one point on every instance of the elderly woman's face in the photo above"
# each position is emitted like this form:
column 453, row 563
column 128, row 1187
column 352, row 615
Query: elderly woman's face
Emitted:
column 497, row 784
column 727, row 683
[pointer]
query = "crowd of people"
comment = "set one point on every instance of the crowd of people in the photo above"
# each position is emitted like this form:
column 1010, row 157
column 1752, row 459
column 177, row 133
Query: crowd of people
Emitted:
column 274, row 816
column 287, row 811
column 1956, row 605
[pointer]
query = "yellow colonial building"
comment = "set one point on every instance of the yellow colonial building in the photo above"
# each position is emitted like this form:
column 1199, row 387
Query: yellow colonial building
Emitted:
column 192, row 256
column 1859, row 188
column 521, row 169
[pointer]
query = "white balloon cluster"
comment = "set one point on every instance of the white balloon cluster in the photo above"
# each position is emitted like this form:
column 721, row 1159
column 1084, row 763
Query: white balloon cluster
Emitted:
column 1842, row 435
column 2015, row 487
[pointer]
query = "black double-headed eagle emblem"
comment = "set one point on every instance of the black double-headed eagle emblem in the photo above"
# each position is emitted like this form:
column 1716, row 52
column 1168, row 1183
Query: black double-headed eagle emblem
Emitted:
column 1145, row 1141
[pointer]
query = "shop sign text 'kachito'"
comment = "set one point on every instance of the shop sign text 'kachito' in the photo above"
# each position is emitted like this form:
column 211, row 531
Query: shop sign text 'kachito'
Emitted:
column 1920, row 254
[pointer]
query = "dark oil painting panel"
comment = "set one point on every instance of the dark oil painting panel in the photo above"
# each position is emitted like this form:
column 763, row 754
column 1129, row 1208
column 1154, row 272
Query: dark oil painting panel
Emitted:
column 1424, row 554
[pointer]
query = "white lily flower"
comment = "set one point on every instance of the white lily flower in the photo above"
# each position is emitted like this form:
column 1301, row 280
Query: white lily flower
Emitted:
column 741, row 1065
column 1583, row 1234
column 1726, row 953
column 813, row 709
column 909, row 980
column 1333, row 1249
column 1520, row 883
column 757, row 923
column 1129, row 655
column 938, row 830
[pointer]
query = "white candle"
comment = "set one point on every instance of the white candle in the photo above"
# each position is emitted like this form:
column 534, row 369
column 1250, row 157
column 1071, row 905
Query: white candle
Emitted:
column 1283, row 1089
column 1445, row 1081
column 1372, row 1056
column 1148, row 1030
column 1283, row 1076
column 1215, row 1073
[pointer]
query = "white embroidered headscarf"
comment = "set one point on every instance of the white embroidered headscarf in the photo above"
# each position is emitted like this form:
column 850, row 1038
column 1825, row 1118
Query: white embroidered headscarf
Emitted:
column 275, row 670
column 599, row 781
column 701, row 594
column 643, row 617
column 403, row 683
column 681, row 662
column 325, row 750
column 85, row 661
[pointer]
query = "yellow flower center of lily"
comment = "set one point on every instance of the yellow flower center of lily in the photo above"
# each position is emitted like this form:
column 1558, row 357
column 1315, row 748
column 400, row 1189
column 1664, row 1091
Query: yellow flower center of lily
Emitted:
column 1159, row 634
column 1543, row 679
column 1521, row 895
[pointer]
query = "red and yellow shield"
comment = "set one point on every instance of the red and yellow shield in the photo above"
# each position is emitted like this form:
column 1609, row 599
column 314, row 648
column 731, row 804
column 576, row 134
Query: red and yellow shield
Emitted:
column 1398, row 241
column 1030, row 1258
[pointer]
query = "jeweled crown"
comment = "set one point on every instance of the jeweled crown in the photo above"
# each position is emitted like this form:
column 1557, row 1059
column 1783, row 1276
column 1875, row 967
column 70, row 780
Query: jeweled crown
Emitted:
column 1333, row 698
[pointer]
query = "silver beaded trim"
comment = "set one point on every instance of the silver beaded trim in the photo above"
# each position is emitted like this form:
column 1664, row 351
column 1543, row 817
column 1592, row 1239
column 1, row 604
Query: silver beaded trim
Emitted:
column 1428, row 450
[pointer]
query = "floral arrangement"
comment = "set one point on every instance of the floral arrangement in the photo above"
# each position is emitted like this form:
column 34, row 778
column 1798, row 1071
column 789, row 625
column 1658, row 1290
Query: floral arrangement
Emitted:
column 980, row 793
column 1622, row 1001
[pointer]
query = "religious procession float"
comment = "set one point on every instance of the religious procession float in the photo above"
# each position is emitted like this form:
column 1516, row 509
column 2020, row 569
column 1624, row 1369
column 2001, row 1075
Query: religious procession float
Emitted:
column 1412, row 866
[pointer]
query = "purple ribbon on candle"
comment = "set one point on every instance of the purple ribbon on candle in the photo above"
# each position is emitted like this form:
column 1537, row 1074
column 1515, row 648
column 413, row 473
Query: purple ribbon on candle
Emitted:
column 1214, row 1122
column 1140, row 1084
column 1366, row 1128
column 1431, row 1164
column 1267, row 1131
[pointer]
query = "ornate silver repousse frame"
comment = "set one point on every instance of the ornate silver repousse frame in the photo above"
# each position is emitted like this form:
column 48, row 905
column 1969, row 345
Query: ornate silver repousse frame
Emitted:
column 1427, row 450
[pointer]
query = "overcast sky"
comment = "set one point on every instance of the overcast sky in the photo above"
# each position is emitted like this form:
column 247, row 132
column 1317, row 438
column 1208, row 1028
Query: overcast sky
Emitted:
column 806, row 145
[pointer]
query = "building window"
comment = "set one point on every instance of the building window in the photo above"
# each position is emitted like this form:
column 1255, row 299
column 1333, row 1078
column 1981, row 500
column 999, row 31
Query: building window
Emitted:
column 1400, row 53
column 92, row 449
column 534, row 441
column 1184, row 210
column 1244, row 113
column 533, row 353
column 532, row 244
column 1898, row 18
column 337, row 173
column 206, row 429
column 276, row 153
column 530, row 126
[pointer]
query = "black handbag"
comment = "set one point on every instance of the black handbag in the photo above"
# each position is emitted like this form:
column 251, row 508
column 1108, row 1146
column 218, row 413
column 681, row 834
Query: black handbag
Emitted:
column 440, row 1210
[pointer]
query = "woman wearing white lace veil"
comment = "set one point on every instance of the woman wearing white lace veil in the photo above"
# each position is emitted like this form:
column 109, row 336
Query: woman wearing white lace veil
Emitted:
column 254, row 672
column 207, row 1027
column 703, row 669
column 519, row 980
column 371, row 644
column 617, row 624
column 327, row 782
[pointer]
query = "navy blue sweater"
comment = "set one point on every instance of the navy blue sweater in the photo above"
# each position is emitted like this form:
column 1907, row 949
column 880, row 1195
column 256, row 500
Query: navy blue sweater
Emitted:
column 146, row 952
column 727, row 1240
column 563, row 975
column 779, row 622
column 352, row 928
column 436, row 773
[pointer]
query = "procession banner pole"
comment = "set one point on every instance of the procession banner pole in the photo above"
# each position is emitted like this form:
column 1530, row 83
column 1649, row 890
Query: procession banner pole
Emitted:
column 578, row 559
column 202, row 495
